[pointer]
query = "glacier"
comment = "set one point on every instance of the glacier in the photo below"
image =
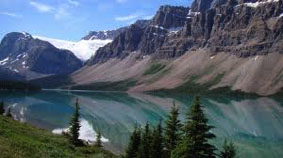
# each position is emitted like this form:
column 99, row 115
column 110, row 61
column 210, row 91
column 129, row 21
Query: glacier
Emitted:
column 83, row 49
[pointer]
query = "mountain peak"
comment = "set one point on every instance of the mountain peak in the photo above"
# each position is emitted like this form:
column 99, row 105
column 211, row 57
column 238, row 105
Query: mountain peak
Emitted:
column 32, row 58
column 104, row 35
column 170, row 16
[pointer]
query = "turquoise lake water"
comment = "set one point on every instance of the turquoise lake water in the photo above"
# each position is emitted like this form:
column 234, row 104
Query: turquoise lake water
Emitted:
column 254, row 124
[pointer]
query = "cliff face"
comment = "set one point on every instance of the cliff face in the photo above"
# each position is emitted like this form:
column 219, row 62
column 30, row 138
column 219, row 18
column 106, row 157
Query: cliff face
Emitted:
column 246, row 30
column 144, row 36
column 240, row 28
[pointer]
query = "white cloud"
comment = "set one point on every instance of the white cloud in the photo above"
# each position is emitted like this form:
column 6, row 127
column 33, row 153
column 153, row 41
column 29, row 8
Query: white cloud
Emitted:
column 73, row 2
column 62, row 12
column 41, row 7
column 14, row 15
column 128, row 17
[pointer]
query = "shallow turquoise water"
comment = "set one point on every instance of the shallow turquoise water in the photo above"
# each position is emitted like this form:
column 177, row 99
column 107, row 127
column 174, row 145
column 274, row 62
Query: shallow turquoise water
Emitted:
column 254, row 124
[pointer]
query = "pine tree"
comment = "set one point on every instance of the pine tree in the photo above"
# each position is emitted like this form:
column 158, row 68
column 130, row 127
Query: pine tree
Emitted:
column 144, row 148
column 75, row 126
column 228, row 150
column 195, row 144
column 98, row 142
column 172, row 129
column 133, row 147
column 9, row 113
column 2, row 110
column 157, row 143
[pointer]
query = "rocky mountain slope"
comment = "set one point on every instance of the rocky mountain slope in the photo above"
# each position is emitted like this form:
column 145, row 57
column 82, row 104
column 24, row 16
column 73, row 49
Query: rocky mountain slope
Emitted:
column 23, row 55
column 235, row 44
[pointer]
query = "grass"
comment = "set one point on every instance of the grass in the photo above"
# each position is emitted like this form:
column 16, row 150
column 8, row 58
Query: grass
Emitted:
column 20, row 140
column 154, row 68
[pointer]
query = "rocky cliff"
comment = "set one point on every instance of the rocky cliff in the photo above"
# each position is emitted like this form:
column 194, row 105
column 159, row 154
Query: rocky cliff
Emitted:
column 241, row 28
column 144, row 36
column 192, row 46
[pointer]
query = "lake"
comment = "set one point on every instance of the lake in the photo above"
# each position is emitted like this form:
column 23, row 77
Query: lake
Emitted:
column 254, row 124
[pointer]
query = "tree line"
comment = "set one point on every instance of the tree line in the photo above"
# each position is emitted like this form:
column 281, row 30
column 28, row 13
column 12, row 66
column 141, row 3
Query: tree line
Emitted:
column 18, row 86
column 177, row 140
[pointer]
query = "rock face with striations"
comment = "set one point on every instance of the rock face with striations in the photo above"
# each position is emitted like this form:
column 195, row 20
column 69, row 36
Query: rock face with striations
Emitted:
column 145, row 36
column 201, row 5
column 242, row 28
column 32, row 58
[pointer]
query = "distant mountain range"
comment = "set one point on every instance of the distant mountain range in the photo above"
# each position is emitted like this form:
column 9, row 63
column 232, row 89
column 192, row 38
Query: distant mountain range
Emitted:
column 231, row 45
column 104, row 35
column 27, row 57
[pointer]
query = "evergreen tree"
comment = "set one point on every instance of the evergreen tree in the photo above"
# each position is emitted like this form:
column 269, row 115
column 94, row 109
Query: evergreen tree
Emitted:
column 2, row 110
column 172, row 129
column 144, row 148
column 195, row 144
column 228, row 150
column 133, row 147
column 157, row 143
column 9, row 113
column 98, row 142
column 75, row 126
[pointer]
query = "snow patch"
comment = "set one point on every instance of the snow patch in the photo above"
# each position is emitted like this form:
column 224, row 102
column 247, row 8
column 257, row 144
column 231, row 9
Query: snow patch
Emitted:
column 4, row 61
column 83, row 49
column 159, row 27
column 26, row 35
column 255, row 58
column 192, row 14
column 257, row 4
column 174, row 30
column 24, row 65
column 16, row 70
column 86, row 132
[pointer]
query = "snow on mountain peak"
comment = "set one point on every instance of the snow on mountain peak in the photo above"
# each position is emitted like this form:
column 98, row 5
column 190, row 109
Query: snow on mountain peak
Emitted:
column 83, row 49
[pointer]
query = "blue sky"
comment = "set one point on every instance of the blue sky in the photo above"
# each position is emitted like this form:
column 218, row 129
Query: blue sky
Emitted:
column 72, row 19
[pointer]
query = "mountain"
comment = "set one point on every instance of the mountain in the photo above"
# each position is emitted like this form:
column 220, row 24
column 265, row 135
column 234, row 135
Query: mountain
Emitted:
column 83, row 49
column 32, row 58
column 145, row 36
column 7, row 74
column 88, row 45
column 104, row 35
column 233, row 45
